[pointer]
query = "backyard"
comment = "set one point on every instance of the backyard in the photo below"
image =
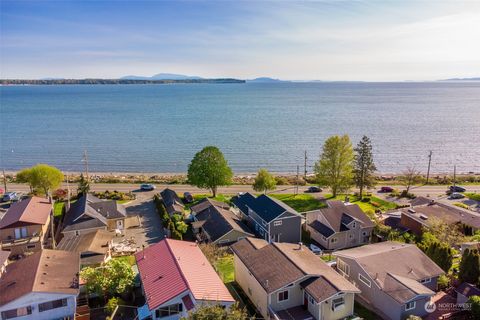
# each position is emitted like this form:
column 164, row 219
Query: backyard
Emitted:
column 300, row 202
column 367, row 203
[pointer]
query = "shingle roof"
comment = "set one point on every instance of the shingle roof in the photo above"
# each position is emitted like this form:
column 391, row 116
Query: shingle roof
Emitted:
column 96, row 241
column 319, row 288
column 171, row 200
column 33, row 210
column 468, row 290
column 391, row 263
column 264, row 206
column 403, row 289
column 51, row 271
column 321, row 228
column 206, row 203
column 217, row 222
column 286, row 263
column 171, row 267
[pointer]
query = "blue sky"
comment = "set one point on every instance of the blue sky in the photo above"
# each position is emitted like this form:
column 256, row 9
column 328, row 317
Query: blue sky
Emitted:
column 327, row 40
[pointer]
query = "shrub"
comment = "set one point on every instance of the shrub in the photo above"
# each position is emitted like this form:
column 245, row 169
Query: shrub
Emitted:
column 366, row 199
column 443, row 282
column 461, row 205
column 281, row 180
column 112, row 304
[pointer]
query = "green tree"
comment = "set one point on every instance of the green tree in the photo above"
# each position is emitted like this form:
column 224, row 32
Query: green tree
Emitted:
column 364, row 167
column 335, row 167
column 475, row 305
column 83, row 185
column 209, row 170
column 469, row 270
column 217, row 312
column 112, row 278
column 41, row 178
column 264, row 181
column 441, row 254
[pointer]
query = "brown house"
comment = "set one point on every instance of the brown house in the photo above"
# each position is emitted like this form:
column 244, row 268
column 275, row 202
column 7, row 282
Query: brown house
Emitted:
column 25, row 226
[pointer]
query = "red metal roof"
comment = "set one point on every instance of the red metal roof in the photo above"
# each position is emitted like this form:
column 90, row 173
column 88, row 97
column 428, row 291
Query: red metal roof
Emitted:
column 171, row 267
column 34, row 210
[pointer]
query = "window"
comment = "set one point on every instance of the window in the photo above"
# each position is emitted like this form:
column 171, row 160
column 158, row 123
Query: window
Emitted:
column 169, row 310
column 283, row 296
column 350, row 236
column 342, row 266
column 427, row 280
column 410, row 305
column 354, row 225
column 224, row 241
column 334, row 240
column 362, row 278
column 277, row 223
column 10, row 314
column 364, row 233
column 52, row 305
column 21, row 233
column 337, row 303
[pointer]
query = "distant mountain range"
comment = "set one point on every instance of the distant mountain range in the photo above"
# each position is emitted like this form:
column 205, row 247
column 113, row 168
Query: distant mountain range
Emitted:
column 462, row 79
column 163, row 76
column 266, row 80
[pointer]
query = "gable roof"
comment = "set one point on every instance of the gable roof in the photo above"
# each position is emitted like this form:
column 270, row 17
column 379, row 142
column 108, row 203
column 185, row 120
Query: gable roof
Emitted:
column 468, row 290
column 395, row 267
column 171, row 267
column 206, row 203
column 265, row 207
column 95, row 242
column 172, row 201
column 338, row 216
column 51, row 271
column 216, row 221
column 33, row 210
column 288, row 263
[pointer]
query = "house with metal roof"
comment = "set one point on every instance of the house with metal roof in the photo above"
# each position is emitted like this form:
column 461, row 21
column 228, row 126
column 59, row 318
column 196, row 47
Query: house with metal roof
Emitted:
column 269, row 218
column 176, row 276
column 395, row 279
column 41, row 286
column 25, row 226
column 288, row 281
column 339, row 226
column 213, row 222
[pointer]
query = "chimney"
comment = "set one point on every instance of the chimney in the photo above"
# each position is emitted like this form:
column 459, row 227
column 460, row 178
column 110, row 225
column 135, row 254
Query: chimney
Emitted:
column 300, row 246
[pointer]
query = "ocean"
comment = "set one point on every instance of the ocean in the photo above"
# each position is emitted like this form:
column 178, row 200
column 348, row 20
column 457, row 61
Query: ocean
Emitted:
column 158, row 128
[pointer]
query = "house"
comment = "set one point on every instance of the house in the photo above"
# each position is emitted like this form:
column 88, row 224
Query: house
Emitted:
column 176, row 277
column 172, row 202
column 465, row 291
column 41, row 286
column 25, row 226
column 93, row 247
column 396, row 279
column 417, row 218
column 339, row 226
column 4, row 255
column 288, row 281
column 269, row 218
column 90, row 213
column 214, row 223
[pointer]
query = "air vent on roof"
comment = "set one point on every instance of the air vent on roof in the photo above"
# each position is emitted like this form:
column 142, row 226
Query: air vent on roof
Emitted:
column 411, row 211
column 423, row 217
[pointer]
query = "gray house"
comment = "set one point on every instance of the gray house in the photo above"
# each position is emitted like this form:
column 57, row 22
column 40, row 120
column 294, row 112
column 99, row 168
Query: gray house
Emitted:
column 172, row 202
column 339, row 226
column 269, row 218
column 396, row 279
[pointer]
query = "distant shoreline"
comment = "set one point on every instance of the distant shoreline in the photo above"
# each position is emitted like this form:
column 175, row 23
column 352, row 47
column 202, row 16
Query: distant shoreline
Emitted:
column 12, row 82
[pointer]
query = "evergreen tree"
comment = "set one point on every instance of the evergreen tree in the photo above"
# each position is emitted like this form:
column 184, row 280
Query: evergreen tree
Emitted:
column 364, row 167
column 470, row 266
column 83, row 185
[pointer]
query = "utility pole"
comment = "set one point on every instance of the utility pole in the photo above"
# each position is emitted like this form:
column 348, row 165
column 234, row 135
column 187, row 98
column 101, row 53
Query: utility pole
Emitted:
column 4, row 180
column 429, row 162
column 85, row 158
column 68, row 195
column 296, row 181
column 454, row 175
column 305, row 166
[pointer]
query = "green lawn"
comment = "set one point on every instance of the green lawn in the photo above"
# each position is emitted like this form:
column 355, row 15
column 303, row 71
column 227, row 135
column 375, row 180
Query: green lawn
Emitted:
column 225, row 268
column 380, row 203
column 300, row 202
column 473, row 196
column 123, row 201
column 58, row 208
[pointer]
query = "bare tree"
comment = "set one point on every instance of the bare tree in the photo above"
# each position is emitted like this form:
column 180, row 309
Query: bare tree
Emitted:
column 410, row 177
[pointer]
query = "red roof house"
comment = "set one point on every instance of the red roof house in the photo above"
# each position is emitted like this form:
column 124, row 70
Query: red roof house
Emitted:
column 175, row 277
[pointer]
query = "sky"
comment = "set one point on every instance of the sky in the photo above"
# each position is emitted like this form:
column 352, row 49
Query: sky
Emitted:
column 294, row 40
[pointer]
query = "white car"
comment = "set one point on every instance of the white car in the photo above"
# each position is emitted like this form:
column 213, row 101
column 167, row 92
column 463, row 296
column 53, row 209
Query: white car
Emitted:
column 315, row 249
column 457, row 195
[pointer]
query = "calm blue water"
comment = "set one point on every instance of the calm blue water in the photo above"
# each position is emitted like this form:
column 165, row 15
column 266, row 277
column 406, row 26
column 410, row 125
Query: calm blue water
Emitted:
column 158, row 128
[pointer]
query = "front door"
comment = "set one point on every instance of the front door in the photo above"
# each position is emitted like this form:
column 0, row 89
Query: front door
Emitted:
column 120, row 224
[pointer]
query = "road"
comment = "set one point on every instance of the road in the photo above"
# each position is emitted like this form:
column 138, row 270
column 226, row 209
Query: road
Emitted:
column 432, row 191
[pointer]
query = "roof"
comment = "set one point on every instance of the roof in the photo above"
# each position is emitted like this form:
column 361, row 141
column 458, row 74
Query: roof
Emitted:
column 468, row 290
column 217, row 222
column 90, row 212
column 396, row 267
column 206, row 203
column 288, row 263
column 171, row 201
column 319, row 288
column 172, row 267
column 50, row 271
column 95, row 242
column 4, row 257
column 440, row 211
column 338, row 216
column 265, row 207
column 33, row 210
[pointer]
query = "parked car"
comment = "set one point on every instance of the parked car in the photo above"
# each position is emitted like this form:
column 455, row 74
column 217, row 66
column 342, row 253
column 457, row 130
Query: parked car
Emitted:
column 315, row 249
column 456, row 195
column 386, row 189
column 187, row 196
column 313, row 189
column 457, row 189
column 10, row 196
column 147, row 187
